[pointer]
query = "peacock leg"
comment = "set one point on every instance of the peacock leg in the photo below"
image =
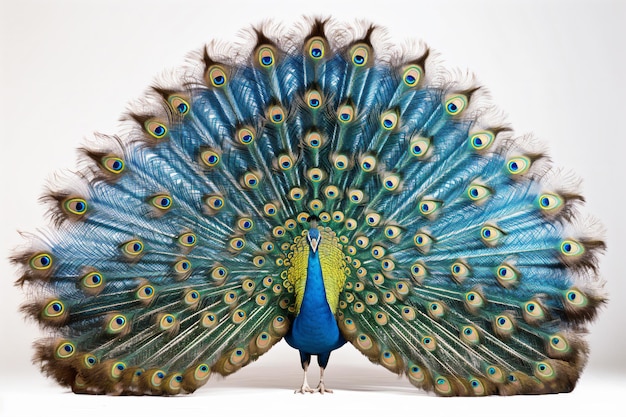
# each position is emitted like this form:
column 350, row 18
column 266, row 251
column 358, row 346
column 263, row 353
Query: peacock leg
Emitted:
column 305, row 384
column 321, row 388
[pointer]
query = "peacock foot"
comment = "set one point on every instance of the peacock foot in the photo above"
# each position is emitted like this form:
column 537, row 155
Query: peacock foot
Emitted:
column 321, row 388
column 304, row 389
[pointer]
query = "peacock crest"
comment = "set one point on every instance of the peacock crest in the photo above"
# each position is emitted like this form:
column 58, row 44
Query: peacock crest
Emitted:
column 317, row 167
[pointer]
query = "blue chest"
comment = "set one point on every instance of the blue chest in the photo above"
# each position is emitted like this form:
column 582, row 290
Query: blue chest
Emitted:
column 315, row 329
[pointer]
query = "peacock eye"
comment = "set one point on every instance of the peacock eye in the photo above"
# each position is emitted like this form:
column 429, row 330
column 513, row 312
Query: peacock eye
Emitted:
column 167, row 321
column 201, row 372
column 532, row 311
column 215, row 202
column 436, row 310
column 373, row 219
column 507, row 276
column 277, row 114
column 92, row 280
column 338, row 216
column 518, row 165
column 459, row 271
column 418, row 270
column 359, row 55
column 145, row 292
column 245, row 136
column 156, row 129
column 133, row 248
column 481, row 140
column 345, row 113
column 429, row 343
column 117, row 324
column 412, row 75
column 208, row 320
column 179, row 104
column 477, row 192
column 544, row 371
column 550, row 202
column 313, row 140
column 250, row 180
column 331, row 192
column 570, row 247
column 316, row 47
column 419, row 146
column 40, row 261
column 392, row 232
column 429, row 207
column 456, row 104
column 266, row 56
column 559, row 343
column 54, row 308
column 340, row 162
column 356, row 196
column 491, row 235
column 368, row 163
column 504, row 324
column 576, row 298
column 296, row 194
column 474, row 300
column 217, row 76
column 237, row 243
column 187, row 239
column 391, row 182
column 113, row 164
column 285, row 162
column 210, row 158
column 192, row 297
column 270, row 209
column 389, row 120
column 470, row 335
column 362, row 241
column 162, row 201
column 423, row 242
column 314, row 99
column 76, row 206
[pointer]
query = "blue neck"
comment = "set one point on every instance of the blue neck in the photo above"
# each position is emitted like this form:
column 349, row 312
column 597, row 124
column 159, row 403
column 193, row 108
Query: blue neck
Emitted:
column 315, row 328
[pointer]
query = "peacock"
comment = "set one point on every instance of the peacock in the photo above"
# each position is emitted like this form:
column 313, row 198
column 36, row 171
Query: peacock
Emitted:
column 326, row 187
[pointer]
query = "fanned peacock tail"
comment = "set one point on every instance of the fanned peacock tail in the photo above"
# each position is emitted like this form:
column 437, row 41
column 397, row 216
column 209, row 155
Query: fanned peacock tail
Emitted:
column 173, row 251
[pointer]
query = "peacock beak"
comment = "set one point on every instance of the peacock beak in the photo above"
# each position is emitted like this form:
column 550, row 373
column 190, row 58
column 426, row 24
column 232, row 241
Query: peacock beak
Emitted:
column 314, row 243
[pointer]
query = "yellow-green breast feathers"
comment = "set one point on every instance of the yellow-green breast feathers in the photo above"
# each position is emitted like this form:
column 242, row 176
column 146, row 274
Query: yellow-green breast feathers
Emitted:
column 332, row 262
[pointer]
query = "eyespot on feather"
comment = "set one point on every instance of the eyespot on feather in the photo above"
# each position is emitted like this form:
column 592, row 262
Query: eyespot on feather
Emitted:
column 420, row 147
column 65, row 350
column 74, row 207
column 412, row 75
column 360, row 55
column 113, row 164
column 92, row 282
column 178, row 104
column 245, row 136
column 155, row 128
column 40, row 261
column 210, row 158
column 266, row 56
column 116, row 324
column 216, row 76
column 208, row 320
column 455, row 105
column 316, row 48
column 133, row 248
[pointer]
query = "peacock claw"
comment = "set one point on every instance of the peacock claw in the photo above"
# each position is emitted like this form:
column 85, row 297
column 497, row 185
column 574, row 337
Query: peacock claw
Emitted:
column 304, row 389
column 321, row 388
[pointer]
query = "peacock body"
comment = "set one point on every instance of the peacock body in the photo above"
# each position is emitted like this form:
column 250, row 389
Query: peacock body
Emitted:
column 317, row 188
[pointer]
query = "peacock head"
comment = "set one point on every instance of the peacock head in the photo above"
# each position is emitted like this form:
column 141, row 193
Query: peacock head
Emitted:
column 313, row 236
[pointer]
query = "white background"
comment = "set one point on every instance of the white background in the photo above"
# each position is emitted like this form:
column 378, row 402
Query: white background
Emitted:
column 69, row 68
